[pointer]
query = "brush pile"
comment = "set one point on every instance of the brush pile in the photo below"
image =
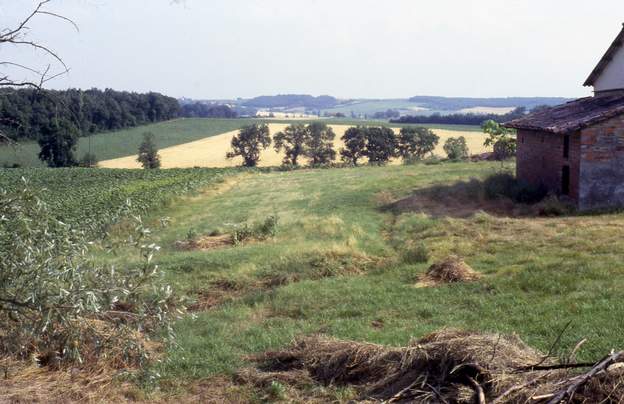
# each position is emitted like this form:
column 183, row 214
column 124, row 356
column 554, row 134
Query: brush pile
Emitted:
column 444, row 367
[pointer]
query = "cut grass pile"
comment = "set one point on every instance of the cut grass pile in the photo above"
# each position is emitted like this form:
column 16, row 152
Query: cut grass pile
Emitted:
column 210, row 152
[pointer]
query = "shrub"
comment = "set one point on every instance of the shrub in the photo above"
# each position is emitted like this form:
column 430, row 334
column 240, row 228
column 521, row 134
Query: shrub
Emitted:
column 148, row 153
column 58, row 305
column 260, row 231
column 456, row 148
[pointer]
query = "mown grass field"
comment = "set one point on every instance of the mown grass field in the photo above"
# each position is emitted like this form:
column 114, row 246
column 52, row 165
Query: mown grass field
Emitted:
column 122, row 143
column 337, row 267
column 339, row 264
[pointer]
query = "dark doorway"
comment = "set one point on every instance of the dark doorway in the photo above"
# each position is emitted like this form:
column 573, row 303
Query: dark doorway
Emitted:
column 565, row 180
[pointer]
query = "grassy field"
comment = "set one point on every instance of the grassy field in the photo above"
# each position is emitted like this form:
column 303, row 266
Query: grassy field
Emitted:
column 113, row 145
column 211, row 151
column 340, row 265
column 337, row 267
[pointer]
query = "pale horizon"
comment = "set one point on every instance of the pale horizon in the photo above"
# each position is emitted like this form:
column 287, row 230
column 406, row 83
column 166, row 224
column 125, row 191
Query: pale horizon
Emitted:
column 348, row 49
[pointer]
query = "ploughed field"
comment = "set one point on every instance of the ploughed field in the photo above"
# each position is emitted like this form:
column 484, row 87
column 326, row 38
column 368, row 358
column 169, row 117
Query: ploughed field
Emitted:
column 342, row 262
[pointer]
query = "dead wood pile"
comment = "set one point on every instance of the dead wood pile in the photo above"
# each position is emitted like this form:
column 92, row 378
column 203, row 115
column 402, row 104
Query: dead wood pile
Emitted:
column 446, row 367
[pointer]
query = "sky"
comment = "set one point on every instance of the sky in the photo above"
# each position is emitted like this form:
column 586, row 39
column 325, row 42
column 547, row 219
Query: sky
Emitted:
column 224, row 49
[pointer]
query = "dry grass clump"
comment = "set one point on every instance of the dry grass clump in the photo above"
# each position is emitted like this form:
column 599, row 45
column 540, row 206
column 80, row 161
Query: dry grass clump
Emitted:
column 451, row 270
column 205, row 243
column 448, row 366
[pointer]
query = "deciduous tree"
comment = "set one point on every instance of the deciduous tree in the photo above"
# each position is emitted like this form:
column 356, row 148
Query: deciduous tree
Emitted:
column 416, row 142
column 381, row 145
column 249, row 142
column 58, row 143
column 355, row 144
column 319, row 145
column 292, row 140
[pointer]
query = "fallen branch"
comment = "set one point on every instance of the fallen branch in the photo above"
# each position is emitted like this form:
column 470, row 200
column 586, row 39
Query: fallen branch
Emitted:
column 576, row 383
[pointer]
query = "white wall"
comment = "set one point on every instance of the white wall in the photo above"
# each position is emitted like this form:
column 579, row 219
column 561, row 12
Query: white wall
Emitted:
column 612, row 77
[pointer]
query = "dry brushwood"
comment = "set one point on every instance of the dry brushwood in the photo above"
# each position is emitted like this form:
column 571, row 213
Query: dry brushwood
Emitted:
column 449, row 366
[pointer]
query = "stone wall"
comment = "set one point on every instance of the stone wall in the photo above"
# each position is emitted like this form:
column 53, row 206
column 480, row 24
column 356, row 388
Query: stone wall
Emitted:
column 540, row 160
column 602, row 166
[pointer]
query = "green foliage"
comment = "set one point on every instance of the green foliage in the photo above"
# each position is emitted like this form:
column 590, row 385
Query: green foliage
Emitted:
column 292, row 140
column 501, row 139
column 456, row 148
column 148, row 152
column 50, row 288
column 249, row 142
column 355, row 145
column 29, row 113
column 319, row 145
column 381, row 145
column 93, row 199
column 58, row 142
column 259, row 231
column 415, row 143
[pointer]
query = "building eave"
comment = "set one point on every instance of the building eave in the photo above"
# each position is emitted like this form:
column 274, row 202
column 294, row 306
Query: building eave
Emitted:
column 606, row 59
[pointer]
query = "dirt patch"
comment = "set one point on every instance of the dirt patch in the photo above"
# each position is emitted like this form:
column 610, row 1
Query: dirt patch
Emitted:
column 451, row 270
column 448, row 366
column 206, row 243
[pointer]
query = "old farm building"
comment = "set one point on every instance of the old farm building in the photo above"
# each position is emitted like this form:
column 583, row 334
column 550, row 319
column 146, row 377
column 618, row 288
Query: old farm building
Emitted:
column 577, row 149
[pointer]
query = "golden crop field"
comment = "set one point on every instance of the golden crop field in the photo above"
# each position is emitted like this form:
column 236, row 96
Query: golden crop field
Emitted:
column 210, row 152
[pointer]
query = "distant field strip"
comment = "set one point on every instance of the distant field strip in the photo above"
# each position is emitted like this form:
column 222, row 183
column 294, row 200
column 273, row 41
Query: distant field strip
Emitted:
column 210, row 152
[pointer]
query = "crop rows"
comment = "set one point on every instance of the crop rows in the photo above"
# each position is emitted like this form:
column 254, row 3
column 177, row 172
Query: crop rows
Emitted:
column 91, row 199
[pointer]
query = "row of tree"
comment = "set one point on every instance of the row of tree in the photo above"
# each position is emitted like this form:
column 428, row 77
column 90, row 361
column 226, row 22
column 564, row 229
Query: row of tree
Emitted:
column 462, row 119
column 315, row 142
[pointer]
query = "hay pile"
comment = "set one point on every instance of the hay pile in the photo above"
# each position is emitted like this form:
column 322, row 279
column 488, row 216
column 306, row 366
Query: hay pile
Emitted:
column 451, row 270
column 205, row 243
column 448, row 367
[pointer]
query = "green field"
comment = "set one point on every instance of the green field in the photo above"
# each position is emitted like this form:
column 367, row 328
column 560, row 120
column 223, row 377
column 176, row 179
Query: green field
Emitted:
column 126, row 142
column 91, row 199
column 339, row 264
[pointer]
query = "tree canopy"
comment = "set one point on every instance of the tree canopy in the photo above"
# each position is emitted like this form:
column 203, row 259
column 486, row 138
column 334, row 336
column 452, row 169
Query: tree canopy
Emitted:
column 381, row 145
column 354, row 144
column 293, row 141
column 249, row 142
column 319, row 145
column 414, row 143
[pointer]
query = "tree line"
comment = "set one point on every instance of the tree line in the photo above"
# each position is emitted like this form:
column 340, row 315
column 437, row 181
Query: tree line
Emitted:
column 462, row 119
column 31, row 113
column 315, row 142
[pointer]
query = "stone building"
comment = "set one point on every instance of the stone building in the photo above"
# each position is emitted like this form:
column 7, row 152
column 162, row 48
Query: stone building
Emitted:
column 577, row 149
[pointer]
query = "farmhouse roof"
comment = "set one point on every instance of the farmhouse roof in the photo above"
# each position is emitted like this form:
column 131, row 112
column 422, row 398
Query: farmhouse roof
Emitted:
column 573, row 115
column 606, row 59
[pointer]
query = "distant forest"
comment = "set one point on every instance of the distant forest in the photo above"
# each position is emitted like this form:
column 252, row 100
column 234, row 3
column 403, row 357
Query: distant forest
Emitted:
column 30, row 113
column 292, row 101
column 458, row 103
column 463, row 119
column 203, row 110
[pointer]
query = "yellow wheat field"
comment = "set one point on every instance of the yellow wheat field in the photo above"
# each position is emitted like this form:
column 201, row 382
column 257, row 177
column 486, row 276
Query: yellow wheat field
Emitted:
column 210, row 152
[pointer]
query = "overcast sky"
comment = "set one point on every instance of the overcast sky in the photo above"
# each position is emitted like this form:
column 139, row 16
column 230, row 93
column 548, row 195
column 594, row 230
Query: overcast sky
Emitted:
column 346, row 48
